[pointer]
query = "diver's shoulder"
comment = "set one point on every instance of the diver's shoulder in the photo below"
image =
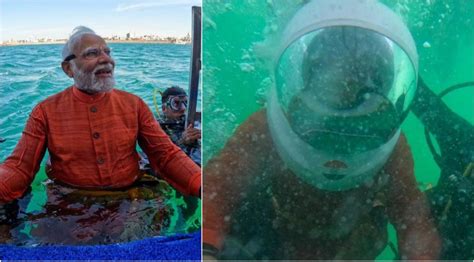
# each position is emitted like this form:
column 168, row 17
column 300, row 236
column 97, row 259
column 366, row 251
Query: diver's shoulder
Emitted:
column 256, row 123
column 400, row 163
column 402, row 145
column 258, row 118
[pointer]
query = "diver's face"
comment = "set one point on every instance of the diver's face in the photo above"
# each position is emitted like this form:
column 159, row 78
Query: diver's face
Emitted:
column 93, row 67
column 334, row 88
column 173, row 115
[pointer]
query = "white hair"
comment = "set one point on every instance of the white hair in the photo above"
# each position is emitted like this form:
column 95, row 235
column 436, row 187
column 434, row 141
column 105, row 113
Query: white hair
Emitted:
column 75, row 36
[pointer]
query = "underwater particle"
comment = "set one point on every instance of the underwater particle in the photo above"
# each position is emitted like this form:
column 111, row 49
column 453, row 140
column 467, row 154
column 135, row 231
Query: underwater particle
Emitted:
column 218, row 110
column 254, row 138
column 246, row 67
column 230, row 117
column 266, row 83
column 275, row 224
column 227, row 218
column 220, row 48
column 426, row 44
column 271, row 28
column 212, row 195
column 260, row 96
column 419, row 24
column 246, row 56
column 209, row 23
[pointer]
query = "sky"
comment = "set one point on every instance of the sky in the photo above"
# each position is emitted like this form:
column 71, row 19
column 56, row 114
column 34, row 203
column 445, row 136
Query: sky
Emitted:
column 30, row 19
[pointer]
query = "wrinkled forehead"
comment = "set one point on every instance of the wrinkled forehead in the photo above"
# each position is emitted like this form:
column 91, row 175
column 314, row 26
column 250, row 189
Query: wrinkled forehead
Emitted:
column 89, row 41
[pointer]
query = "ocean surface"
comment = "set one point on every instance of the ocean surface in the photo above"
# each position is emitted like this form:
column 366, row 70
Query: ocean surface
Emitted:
column 236, row 71
column 31, row 73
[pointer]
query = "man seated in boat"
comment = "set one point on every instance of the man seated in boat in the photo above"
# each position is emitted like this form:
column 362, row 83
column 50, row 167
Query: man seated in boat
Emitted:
column 90, row 130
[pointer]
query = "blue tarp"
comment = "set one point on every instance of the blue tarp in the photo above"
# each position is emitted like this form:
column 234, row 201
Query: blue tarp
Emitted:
column 178, row 247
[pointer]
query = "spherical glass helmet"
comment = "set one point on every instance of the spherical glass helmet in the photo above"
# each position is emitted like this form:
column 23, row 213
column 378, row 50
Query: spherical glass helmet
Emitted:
column 344, row 79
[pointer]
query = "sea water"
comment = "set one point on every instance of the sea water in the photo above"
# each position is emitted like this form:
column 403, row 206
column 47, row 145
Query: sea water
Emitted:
column 31, row 73
column 237, row 80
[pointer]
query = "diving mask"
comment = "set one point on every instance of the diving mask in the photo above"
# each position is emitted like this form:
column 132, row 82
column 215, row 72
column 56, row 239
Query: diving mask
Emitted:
column 177, row 103
column 345, row 77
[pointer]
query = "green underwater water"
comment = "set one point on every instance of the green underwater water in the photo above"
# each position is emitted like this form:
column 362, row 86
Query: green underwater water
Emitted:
column 236, row 79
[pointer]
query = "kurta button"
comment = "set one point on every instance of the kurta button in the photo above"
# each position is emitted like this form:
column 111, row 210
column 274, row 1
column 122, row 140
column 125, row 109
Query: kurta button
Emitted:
column 100, row 160
column 93, row 109
column 96, row 135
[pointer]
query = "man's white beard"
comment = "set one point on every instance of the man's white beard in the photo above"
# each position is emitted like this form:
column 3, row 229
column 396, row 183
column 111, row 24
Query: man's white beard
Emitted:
column 89, row 83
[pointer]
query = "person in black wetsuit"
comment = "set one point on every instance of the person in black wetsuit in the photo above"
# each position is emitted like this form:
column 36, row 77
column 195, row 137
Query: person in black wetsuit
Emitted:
column 174, row 101
column 452, row 200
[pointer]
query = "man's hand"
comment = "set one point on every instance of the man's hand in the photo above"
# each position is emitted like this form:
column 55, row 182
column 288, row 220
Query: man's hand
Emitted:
column 190, row 135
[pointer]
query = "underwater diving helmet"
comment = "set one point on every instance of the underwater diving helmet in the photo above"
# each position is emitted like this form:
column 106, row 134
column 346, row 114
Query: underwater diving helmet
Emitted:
column 345, row 75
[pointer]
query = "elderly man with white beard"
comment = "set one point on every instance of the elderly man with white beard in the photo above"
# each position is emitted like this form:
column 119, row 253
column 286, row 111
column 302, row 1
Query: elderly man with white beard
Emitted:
column 91, row 129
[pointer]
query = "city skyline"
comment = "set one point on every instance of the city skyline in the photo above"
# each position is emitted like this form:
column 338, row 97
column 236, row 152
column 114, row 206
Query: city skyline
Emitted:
column 55, row 19
column 128, row 38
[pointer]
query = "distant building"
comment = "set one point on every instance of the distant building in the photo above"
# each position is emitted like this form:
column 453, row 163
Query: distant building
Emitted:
column 187, row 38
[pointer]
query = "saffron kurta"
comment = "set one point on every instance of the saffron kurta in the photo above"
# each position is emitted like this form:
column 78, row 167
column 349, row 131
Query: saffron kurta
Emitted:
column 92, row 140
